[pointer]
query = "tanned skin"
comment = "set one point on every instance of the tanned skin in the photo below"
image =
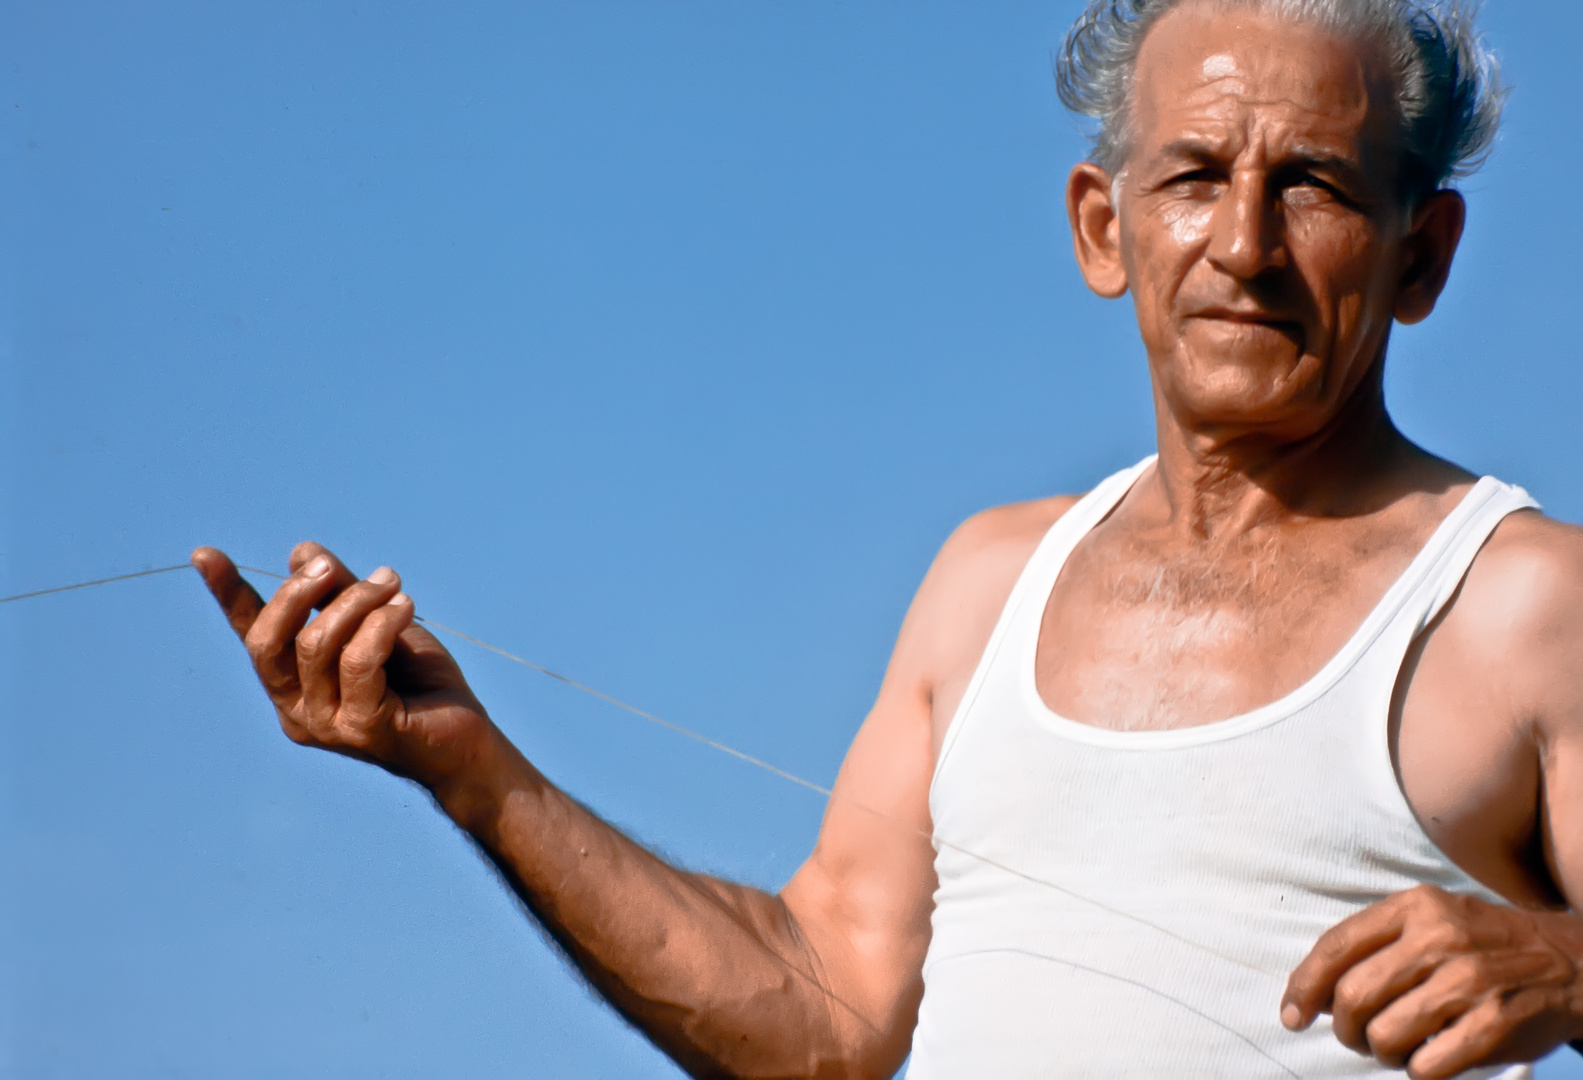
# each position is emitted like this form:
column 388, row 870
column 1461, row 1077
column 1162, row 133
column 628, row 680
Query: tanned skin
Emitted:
column 1268, row 247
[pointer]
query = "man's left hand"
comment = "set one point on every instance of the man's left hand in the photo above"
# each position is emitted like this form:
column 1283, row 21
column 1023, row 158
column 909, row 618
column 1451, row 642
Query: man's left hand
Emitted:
column 1438, row 983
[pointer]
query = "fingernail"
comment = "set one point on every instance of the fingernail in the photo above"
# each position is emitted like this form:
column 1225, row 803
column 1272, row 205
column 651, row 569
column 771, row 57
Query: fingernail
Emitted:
column 320, row 565
column 383, row 576
column 1292, row 1017
column 399, row 599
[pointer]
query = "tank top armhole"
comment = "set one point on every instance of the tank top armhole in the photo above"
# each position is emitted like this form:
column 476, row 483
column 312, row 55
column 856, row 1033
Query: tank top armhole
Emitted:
column 1427, row 601
column 1079, row 518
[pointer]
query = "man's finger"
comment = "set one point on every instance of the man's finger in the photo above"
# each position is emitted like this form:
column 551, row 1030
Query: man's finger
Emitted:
column 363, row 660
column 1312, row 986
column 340, row 574
column 271, row 640
column 238, row 599
column 1409, row 1021
column 1370, row 986
column 1473, row 1004
column 319, row 645
column 308, row 550
column 1474, row 1039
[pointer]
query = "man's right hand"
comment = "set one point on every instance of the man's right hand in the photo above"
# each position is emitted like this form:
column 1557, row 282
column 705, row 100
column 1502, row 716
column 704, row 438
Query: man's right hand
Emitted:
column 821, row 980
column 362, row 679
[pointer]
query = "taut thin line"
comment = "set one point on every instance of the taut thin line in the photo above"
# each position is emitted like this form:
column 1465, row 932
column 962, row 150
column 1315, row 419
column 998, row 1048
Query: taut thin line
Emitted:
column 617, row 702
column 733, row 752
column 635, row 711
column 97, row 581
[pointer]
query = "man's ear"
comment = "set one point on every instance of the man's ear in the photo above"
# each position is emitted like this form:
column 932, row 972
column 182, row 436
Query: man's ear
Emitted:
column 1427, row 253
column 1096, row 230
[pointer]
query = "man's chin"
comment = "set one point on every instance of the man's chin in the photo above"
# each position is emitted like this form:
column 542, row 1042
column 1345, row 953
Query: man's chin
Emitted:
column 1284, row 399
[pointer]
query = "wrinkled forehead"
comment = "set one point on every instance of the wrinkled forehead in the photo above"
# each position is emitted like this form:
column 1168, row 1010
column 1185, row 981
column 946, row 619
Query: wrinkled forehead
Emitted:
column 1232, row 74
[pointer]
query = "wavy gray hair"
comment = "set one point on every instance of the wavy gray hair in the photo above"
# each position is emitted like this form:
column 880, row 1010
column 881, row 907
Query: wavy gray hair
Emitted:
column 1448, row 85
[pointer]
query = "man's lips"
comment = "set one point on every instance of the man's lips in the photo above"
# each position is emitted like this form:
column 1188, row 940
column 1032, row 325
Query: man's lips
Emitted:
column 1291, row 328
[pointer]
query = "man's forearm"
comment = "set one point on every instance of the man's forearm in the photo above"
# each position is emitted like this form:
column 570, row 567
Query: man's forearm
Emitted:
column 716, row 974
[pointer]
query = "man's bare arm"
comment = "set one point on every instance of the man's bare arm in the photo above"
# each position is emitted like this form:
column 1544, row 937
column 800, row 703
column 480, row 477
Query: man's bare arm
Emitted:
column 1442, row 983
column 822, row 980
column 720, row 976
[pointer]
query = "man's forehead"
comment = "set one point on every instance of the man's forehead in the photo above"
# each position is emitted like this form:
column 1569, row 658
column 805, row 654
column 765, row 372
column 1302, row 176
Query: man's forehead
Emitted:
column 1207, row 74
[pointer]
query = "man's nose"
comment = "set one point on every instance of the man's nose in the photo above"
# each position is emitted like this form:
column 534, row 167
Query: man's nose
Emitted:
column 1247, row 236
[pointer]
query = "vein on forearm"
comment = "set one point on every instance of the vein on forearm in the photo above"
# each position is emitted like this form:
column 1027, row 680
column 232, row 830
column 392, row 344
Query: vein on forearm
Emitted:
column 720, row 976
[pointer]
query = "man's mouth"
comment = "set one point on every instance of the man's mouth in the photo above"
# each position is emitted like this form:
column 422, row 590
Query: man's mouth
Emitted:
column 1288, row 328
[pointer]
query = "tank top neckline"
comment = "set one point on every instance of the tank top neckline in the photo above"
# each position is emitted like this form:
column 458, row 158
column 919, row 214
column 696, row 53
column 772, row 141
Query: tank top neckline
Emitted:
column 1105, row 500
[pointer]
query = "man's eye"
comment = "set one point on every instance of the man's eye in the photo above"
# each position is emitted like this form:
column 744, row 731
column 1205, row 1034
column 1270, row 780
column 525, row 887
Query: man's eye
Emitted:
column 1311, row 189
column 1194, row 183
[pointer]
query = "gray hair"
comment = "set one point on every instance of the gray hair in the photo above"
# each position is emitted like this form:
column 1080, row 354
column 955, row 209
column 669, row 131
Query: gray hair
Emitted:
column 1448, row 86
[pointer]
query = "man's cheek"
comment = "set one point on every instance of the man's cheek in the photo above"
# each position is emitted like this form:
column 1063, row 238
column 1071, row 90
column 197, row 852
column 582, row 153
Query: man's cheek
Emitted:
column 1157, row 321
column 1185, row 226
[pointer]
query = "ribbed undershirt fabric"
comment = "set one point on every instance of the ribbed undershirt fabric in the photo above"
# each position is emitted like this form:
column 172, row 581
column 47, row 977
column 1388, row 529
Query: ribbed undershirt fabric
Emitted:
column 1134, row 901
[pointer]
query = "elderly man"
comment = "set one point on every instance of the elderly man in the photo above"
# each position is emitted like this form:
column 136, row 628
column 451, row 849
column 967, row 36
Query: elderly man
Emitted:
column 1263, row 752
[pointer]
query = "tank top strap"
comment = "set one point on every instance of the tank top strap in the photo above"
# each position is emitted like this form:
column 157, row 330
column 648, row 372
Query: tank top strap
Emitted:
column 1437, row 573
column 1038, row 577
column 1033, row 585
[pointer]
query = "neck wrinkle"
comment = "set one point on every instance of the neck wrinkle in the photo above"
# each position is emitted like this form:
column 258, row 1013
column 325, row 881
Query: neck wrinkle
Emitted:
column 1217, row 486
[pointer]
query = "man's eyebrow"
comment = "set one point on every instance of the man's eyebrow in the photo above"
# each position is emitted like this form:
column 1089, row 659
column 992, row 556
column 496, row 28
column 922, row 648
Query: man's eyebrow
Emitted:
column 1321, row 159
column 1194, row 150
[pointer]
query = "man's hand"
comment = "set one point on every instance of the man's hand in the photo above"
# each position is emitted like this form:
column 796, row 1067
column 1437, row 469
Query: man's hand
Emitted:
column 361, row 679
column 1439, row 983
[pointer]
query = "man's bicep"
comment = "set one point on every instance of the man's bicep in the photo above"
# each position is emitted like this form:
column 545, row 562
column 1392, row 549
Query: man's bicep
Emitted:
column 870, row 880
column 1542, row 582
column 864, row 896
column 1561, row 815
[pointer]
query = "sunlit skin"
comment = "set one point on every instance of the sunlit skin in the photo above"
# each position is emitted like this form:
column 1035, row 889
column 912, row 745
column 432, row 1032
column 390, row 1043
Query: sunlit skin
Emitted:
column 1261, row 231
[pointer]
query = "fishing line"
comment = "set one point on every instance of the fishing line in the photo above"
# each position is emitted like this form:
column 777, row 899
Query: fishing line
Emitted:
column 829, row 794
column 98, row 581
column 715, row 744
column 784, row 775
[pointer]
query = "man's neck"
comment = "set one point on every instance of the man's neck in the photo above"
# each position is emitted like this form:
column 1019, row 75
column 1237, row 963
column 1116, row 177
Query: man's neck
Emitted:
column 1218, row 485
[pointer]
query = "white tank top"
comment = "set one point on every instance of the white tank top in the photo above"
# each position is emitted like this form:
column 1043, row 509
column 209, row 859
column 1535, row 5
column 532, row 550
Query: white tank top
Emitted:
column 1130, row 904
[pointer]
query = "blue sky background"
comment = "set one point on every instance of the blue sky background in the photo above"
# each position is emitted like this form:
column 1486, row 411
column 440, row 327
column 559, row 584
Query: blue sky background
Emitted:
column 661, row 343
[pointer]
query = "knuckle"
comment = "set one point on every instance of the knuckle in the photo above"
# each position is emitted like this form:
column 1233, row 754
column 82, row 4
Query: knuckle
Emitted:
column 310, row 642
column 1465, row 973
column 1389, row 1044
column 322, row 716
column 1427, row 897
column 360, row 662
column 1349, row 997
column 1353, row 993
column 1455, row 937
column 363, row 594
column 1443, row 936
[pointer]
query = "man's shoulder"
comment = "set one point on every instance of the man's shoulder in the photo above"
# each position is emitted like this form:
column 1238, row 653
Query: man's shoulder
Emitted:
column 1520, row 608
column 1531, row 568
column 1009, row 528
column 977, row 566
column 961, row 598
column 1000, row 540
